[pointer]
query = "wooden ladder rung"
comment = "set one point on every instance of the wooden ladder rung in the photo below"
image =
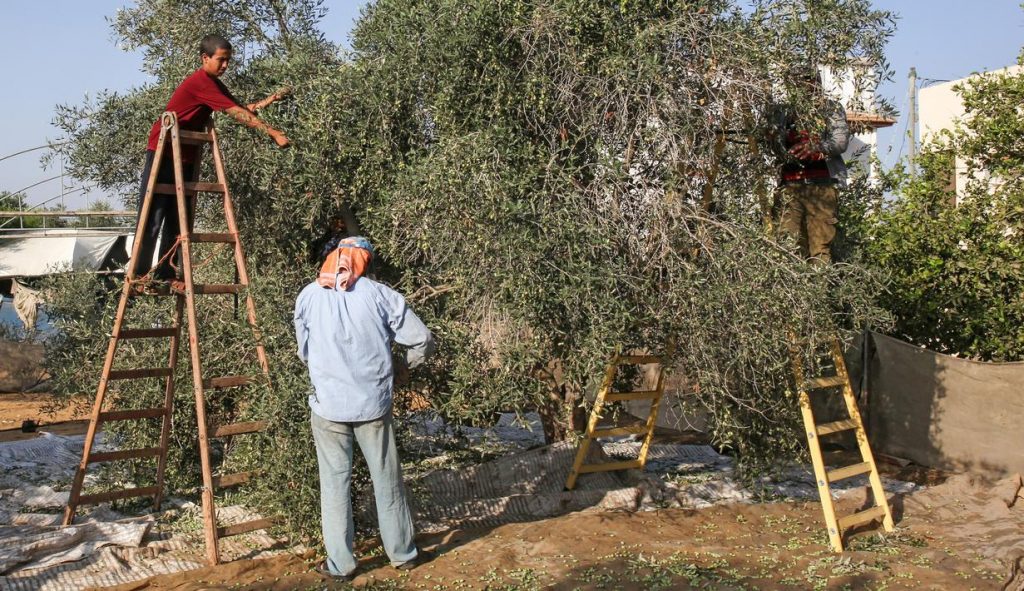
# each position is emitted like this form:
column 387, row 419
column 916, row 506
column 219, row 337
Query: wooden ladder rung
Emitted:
column 849, row 471
column 146, row 333
column 221, row 237
column 118, row 494
column 861, row 517
column 244, row 528
column 227, row 480
column 128, row 415
column 128, row 454
column 217, row 288
column 635, row 359
column 610, row 466
column 836, row 427
column 168, row 188
column 638, row 395
column 226, row 382
column 133, row 374
column 194, row 137
column 617, row 431
column 824, row 382
column 239, row 428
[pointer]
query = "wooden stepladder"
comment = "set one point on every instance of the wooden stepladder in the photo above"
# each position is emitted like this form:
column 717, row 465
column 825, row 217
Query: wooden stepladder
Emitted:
column 184, row 293
column 605, row 395
column 824, row 476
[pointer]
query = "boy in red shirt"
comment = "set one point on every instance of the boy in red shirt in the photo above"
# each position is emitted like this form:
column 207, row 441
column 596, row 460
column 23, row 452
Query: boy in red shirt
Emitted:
column 195, row 99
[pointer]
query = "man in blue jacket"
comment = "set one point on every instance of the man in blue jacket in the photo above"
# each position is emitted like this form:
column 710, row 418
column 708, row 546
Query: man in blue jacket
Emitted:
column 345, row 324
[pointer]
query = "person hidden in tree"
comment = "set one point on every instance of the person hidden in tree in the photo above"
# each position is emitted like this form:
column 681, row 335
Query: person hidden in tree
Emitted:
column 345, row 324
column 194, row 100
column 812, row 173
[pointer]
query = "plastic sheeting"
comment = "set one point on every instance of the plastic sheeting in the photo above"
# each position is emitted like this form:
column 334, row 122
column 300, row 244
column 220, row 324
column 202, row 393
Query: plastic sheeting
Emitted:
column 945, row 412
column 59, row 250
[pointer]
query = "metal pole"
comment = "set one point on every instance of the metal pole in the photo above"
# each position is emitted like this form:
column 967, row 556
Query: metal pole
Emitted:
column 912, row 122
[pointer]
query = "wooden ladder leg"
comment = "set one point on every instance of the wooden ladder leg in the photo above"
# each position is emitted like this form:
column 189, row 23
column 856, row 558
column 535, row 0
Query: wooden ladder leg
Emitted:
column 243, row 273
column 94, row 418
column 108, row 363
column 165, row 428
column 817, row 461
column 588, row 436
column 652, row 418
column 209, row 511
column 877, row 490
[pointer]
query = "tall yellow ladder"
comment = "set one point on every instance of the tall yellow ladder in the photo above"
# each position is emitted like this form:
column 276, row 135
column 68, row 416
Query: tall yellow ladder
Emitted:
column 824, row 476
column 185, row 303
column 605, row 395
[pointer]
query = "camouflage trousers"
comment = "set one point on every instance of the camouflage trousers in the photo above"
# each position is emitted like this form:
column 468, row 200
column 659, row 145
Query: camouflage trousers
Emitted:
column 809, row 215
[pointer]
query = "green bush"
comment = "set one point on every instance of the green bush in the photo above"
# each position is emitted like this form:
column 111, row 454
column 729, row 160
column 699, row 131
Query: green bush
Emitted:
column 956, row 270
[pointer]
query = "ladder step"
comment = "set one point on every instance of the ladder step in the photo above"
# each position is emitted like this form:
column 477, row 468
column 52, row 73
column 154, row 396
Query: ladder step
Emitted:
column 128, row 454
column 168, row 188
column 225, row 238
column 824, row 382
column 617, row 431
column 836, row 426
column 239, row 428
column 226, row 480
column 216, row 288
column 635, row 359
column 146, row 333
column 609, row 466
column 226, row 382
column 244, row 528
column 118, row 494
column 638, row 395
column 128, row 415
column 861, row 517
column 132, row 374
column 194, row 137
column 849, row 471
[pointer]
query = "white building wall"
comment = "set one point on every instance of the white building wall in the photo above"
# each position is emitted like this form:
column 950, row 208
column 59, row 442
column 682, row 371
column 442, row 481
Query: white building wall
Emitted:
column 940, row 108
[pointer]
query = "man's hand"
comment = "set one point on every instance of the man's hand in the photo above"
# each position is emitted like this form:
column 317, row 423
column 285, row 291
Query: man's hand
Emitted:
column 280, row 94
column 281, row 139
column 806, row 150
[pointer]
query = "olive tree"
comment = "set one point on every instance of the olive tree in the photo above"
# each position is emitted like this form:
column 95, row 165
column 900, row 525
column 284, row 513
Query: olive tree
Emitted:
column 548, row 181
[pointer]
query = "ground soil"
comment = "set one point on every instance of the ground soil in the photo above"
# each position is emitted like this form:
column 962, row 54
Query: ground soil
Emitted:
column 18, row 407
column 763, row 546
column 769, row 546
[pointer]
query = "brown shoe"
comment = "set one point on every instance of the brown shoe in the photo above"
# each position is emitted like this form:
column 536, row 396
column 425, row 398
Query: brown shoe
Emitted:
column 321, row 569
column 422, row 557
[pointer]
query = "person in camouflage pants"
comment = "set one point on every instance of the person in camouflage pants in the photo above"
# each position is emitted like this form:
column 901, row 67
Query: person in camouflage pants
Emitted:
column 811, row 177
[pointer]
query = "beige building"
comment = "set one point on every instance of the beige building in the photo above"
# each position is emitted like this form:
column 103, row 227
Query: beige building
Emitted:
column 940, row 108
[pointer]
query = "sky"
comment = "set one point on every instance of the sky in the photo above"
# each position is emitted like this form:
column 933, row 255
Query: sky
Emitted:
column 60, row 51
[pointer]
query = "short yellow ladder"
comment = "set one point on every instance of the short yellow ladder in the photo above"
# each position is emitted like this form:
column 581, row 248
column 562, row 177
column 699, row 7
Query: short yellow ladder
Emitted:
column 824, row 476
column 604, row 395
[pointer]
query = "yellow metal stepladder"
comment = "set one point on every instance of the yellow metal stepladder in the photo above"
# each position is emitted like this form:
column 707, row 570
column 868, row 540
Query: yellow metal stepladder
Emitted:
column 606, row 395
column 185, row 304
column 824, row 476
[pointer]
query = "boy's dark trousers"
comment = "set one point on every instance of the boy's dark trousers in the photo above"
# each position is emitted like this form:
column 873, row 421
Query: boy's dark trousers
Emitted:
column 162, row 222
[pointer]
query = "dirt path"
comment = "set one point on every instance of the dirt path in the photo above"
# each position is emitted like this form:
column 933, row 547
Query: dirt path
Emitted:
column 773, row 546
column 16, row 407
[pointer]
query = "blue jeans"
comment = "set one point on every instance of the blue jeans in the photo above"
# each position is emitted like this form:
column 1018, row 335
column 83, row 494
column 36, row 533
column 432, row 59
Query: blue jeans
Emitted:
column 334, row 448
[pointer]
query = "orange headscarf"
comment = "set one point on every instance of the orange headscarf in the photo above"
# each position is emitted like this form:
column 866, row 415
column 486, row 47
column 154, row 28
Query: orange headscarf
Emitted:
column 346, row 263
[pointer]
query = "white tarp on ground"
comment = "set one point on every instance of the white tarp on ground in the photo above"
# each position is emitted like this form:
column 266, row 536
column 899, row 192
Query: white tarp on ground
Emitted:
column 104, row 547
column 59, row 249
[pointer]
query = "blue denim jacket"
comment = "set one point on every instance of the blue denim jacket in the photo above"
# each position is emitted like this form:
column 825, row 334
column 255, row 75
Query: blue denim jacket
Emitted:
column 345, row 338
